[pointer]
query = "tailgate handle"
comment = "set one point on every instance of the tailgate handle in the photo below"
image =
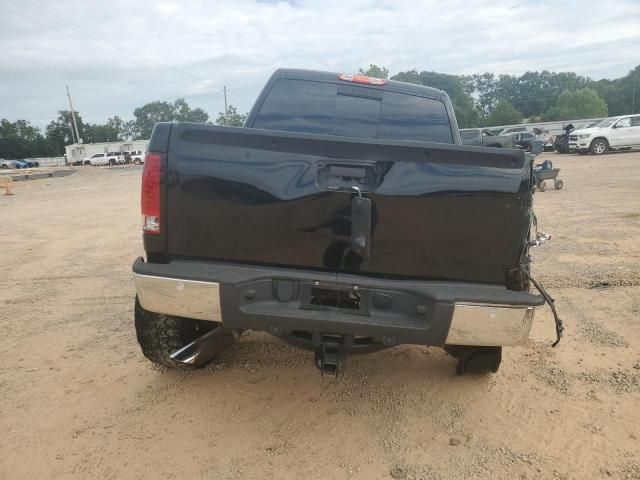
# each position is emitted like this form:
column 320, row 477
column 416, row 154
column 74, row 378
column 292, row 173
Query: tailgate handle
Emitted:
column 343, row 177
column 361, row 226
column 352, row 172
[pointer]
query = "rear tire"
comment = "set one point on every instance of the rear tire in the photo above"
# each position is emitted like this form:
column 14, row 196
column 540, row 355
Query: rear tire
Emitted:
column 112, row 162
column 161, row 335
column 542, row 186
column 599, row 146
column 475, row 360
column 558, row 184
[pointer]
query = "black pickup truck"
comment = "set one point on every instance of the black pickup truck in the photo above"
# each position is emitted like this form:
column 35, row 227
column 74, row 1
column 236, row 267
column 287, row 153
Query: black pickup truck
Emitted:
column 344, row 217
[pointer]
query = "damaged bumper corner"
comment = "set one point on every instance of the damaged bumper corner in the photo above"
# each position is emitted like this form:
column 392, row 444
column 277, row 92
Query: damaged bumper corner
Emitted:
column 490, row 325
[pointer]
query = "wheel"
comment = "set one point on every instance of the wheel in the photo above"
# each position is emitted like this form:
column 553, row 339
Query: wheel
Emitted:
column 474, row 360
column 4, row 167
column 137, row 161
column 112, row 162
column 161, row 335
column 558, row 184
column 542, row 186
column 599, row 146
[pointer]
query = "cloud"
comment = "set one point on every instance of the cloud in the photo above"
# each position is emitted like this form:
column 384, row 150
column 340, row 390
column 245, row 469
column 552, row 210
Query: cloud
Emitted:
column 118, row 55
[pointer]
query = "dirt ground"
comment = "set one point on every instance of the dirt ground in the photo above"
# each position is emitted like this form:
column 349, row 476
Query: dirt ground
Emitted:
column 78, row 400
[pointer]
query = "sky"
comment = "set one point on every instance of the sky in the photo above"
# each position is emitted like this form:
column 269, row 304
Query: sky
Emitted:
column 117, row 55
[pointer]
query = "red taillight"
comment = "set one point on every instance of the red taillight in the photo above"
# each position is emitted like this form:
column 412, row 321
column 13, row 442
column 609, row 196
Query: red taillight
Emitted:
column 348, row 77
column 150, row 193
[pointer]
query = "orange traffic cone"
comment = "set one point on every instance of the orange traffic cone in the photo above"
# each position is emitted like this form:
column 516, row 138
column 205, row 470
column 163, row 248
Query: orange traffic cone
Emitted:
column 7, row 187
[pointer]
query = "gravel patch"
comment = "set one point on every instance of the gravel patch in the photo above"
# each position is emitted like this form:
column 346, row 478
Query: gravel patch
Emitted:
column 621, row 381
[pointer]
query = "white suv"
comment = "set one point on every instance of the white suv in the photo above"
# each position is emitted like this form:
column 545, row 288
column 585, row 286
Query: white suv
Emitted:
column 112, row 158
column 610, row 134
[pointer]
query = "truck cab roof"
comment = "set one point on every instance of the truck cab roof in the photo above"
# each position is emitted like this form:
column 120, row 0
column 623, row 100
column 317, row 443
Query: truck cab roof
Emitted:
column 319, row 76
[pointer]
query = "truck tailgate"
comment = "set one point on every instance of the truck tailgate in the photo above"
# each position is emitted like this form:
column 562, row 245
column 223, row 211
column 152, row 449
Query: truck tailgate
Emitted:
column 283, row 199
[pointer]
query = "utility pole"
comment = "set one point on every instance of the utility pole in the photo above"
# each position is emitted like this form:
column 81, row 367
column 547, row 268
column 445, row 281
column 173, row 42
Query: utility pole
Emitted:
column 73, row 116
column 226, row 119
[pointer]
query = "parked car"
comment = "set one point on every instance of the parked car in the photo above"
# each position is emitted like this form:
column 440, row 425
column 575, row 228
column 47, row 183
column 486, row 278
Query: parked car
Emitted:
column 615, row 133
column 6, row 164
column 18, row 163
column 523, row 140
column 507, row 131
column 561, row 142
column 21, row 164
column 345, row 216
column 483, row 137
column 120, row 157
column 111, row 158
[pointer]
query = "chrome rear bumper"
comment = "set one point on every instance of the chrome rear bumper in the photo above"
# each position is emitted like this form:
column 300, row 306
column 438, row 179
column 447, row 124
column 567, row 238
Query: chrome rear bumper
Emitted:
column 474, row 324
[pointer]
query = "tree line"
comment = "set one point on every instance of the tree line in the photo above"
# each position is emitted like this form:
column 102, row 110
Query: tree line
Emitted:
column 20, row 139
column 480, row 100
column 488, row 100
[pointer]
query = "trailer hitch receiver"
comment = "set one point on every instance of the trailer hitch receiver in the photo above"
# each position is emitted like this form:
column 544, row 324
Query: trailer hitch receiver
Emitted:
column 330, row 353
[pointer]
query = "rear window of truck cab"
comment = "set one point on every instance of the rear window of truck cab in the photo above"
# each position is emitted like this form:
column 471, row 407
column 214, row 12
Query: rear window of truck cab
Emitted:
column 353, row 111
